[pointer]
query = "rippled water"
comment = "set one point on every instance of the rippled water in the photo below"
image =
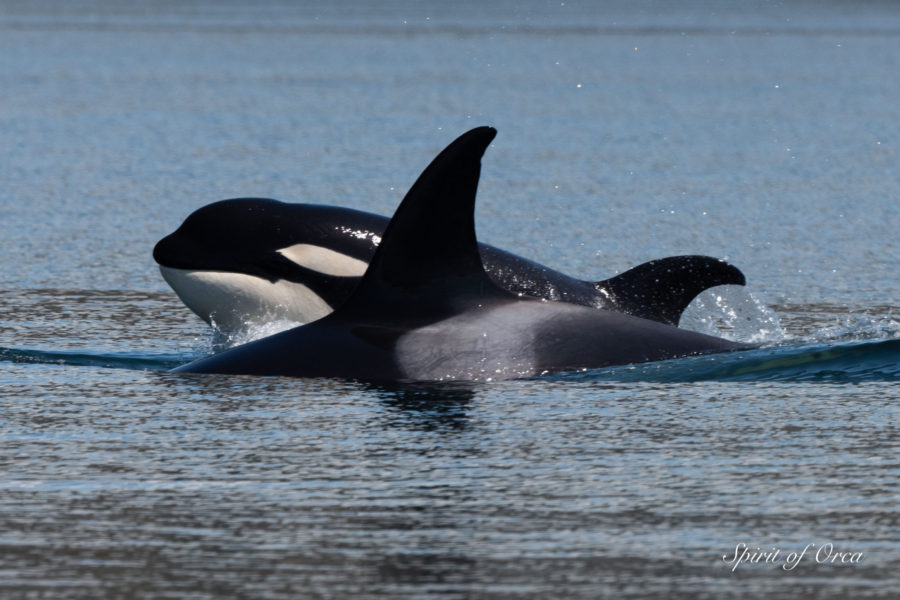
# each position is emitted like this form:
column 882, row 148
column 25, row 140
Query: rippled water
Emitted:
column 765, row 134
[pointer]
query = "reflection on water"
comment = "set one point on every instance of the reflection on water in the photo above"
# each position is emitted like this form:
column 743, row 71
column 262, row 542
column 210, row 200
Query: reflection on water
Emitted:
column 122, row 483
column 428, row 406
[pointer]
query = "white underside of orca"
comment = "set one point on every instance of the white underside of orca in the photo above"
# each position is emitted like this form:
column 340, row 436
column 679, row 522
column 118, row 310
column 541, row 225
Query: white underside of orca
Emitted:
column 249, row 299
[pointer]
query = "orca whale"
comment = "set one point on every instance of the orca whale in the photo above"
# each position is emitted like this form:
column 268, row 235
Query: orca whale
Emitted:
column 426, row 309
column 261, row 260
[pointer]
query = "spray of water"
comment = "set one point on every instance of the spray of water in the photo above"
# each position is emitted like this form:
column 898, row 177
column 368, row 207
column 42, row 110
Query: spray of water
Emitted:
column 734, row 313
column 853, row 328
column 737, row 314
column 250, row 330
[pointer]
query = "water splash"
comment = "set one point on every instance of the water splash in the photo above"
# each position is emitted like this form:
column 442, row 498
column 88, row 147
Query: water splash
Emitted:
column 733, row 313
column 858, row 328
column 224, row 338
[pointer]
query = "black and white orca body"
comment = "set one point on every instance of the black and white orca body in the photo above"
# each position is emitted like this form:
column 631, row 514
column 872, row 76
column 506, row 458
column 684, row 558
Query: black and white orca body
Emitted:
column 260, row 260
column 426, row 309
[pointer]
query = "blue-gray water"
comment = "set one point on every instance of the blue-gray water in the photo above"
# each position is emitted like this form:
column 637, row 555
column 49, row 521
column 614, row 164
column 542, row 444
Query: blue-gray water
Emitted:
column 765, row 133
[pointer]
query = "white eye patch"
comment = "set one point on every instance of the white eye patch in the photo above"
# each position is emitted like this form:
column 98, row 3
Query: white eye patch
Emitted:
column 324, row 260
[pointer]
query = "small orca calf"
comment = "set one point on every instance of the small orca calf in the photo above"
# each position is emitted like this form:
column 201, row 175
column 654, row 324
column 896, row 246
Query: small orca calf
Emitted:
column 426, row 309
column 261, row 260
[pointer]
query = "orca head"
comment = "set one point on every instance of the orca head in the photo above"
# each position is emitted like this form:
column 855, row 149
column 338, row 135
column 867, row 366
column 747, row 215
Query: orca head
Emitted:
column 257, row 259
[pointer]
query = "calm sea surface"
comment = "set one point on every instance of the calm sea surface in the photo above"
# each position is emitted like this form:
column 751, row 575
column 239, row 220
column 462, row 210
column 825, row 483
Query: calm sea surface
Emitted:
column 764, row 133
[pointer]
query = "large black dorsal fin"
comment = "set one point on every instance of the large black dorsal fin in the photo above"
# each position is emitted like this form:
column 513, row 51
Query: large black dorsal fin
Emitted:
column 428, row 255
column 661, row 289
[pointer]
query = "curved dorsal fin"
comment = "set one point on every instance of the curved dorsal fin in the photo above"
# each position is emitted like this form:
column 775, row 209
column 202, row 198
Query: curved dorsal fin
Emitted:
column 429, row 244
column 661, row 289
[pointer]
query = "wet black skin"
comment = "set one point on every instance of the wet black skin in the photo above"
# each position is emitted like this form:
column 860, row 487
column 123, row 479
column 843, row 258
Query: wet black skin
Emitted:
column 242, row 235
column 426, row 309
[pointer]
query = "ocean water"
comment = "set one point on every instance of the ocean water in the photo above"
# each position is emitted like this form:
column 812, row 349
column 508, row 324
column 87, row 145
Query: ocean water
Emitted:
column 766, row 133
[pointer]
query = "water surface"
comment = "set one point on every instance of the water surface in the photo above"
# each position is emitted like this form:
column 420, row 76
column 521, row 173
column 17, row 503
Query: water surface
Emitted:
column 762, row 133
